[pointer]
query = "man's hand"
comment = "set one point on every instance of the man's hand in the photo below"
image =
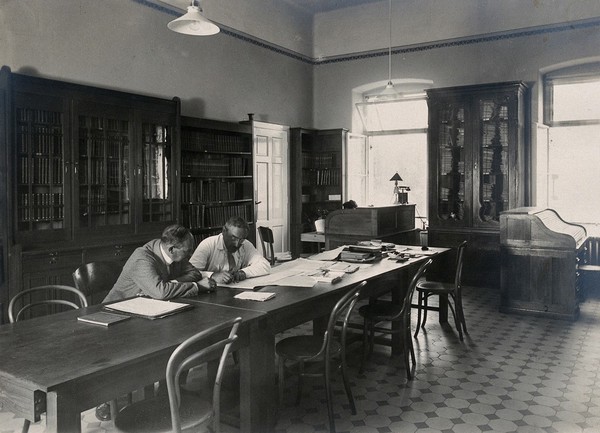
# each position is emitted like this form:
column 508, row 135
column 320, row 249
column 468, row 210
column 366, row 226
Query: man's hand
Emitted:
column 222, row 277
column 207, row 283
column 239, row 276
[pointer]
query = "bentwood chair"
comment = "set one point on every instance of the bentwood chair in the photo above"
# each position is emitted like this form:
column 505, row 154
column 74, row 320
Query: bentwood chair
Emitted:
column 266, row 241
column 43, row 300
column 95, row 279
column 183, row 411
column 314, row 355
column 379, row 311
column 452, row 291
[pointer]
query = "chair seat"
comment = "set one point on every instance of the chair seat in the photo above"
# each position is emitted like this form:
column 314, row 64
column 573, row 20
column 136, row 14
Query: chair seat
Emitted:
column 301, row 347
column 435, row 287
column 153, row 415
column 380, row 311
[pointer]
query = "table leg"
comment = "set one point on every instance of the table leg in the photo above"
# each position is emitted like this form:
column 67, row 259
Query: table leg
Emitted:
column 258, row 391
column 62, row 414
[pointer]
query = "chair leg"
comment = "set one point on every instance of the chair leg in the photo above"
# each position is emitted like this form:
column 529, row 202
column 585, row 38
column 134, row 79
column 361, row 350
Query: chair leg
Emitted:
column 347, row 385
column 419, row 306
column 300, row 382
column 364, row 345
column 328, row 395
column 281, row 379
column 425, row 309
column 25, row 428
column 461, row 314
column 457, row 323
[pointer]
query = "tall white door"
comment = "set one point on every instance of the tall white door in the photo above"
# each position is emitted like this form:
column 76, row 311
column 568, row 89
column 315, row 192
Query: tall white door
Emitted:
column 271, row 182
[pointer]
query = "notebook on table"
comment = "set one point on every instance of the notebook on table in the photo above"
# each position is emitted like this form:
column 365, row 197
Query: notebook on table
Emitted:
column 103, row 318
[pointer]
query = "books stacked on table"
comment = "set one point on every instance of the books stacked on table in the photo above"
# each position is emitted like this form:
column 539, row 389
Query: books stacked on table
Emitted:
column 361, row 253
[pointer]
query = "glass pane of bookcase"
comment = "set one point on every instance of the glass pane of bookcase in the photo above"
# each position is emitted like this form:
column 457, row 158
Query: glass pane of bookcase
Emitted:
column 493, row 158
column 40, row 170
column 451, row 163
column 103, row 172
column 157, row 177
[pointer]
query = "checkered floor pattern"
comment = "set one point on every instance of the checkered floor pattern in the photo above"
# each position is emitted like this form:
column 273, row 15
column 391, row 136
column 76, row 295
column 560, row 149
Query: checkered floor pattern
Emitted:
column 511, row 374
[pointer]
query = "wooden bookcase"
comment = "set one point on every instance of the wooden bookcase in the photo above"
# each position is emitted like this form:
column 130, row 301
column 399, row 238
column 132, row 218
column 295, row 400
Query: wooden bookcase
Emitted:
column 216, row 175
column 90, row 175
column 479, row 166
column 317, row 178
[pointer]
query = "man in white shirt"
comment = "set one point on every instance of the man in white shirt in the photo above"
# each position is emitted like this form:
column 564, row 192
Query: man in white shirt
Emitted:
column 229, row 257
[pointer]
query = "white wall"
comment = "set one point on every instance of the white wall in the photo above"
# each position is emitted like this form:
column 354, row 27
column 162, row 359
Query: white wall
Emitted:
column 366, row 27
column 124, row 45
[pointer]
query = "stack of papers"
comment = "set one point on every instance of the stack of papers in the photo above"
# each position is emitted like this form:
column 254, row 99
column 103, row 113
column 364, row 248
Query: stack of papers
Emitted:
column 283, row 256
column 327, row 276
column 147, row 307
column 255, row 296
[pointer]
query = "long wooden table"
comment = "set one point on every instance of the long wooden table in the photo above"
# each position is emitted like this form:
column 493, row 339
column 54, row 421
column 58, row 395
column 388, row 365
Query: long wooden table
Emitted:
column 57, row 365
column 60, row 366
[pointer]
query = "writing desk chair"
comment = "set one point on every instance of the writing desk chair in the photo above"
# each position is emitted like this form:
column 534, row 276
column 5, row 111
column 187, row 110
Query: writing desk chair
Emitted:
column 183, row 410
column 52, row 297
column 453, row 291
column 385, row 311
column 266, row 241
column 95, row 279
column 318, row 351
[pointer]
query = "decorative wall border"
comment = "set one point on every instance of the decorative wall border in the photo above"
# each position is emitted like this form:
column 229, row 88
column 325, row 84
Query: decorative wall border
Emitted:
column 426, row 46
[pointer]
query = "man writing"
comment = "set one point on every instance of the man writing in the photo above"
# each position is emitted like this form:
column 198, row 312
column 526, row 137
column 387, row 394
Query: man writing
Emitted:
column 229, row 257
column 160, row 269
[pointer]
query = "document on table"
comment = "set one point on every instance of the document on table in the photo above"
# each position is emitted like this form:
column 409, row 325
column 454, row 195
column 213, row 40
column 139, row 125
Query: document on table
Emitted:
column 147, row 307
column 329, row 255
column 296, row 273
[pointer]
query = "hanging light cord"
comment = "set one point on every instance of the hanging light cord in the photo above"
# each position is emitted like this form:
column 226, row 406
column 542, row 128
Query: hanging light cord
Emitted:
column 390, row 45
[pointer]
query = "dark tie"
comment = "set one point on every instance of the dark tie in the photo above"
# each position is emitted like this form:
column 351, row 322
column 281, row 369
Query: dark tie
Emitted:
column 231, row 262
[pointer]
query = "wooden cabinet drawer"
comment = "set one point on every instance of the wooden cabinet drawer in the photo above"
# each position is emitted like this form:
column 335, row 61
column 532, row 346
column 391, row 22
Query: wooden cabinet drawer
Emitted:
column 117, row 252
column 51, row 260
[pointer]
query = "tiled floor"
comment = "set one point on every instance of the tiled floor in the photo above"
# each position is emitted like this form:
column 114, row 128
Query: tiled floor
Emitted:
column 511, row 374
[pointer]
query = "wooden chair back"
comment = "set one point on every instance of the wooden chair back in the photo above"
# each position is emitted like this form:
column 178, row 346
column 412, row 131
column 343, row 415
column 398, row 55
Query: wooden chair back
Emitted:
column 95, row 279
column 50, row 297
column 266, row 241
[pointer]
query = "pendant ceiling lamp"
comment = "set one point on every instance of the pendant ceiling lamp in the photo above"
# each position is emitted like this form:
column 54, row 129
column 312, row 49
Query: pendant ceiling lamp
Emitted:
column 389, row 92
column 194, row 23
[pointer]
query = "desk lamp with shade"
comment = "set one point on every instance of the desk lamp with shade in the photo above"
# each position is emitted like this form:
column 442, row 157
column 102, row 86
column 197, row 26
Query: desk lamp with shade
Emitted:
column 400, row 191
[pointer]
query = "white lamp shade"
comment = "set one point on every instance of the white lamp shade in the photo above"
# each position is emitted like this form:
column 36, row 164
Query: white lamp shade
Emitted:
column 193, row 23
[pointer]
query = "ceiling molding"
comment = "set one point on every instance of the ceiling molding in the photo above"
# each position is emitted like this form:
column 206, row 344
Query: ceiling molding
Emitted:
column 425, row 46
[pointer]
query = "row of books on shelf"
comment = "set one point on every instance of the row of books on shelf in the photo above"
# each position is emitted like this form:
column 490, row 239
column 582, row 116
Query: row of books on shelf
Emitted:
column 495, row 192
column 447, row 193
column 327, row 177
column 215, row 165
column 199, row 236
column 41, row 213
column 207, row 141
column 452, row 139
column 492, row 110
column 203, row 190
column 96, row 173
column 448, row 164
column 40, row 170
column 103, row 124
column 39, row 116
column 40, row 140
column 319, row 160
column 196, row 216
column 117, row 146
column 41, row 199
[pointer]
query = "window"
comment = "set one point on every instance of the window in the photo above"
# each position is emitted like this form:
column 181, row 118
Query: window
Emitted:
column 396, row 133
column 572, row 111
